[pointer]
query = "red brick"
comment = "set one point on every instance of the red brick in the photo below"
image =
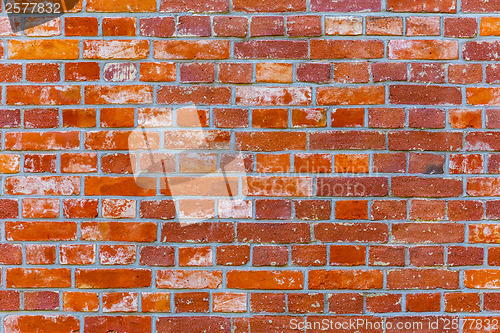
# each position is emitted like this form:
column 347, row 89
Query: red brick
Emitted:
column 117, row 6
column 38, row 278
column 200, row 323
column 461, row 302
column 306, row 303
column 119, row 231
column 12, row 254
column 204, row 95
column 282, row 280
column 345, row 279
column 155, row 302
column 271, row 141
column 428, row 232
column 465, row 256
column 313, row 209
column 381, row 255
column 388, row 210
column 205, row 232
column 428, row 6
column 347, row 255
column 465, row 73
column 195, row 256
column 345, row 303
column 157, row 26
column 386, row 118
column 271, row 49
column 426, row 163
column 41, row 300
column 10, row 300
column 40, row 208
column 266, row 209
column 427, row 49
column 130, row 324
column 389, row 162
column 344, row 26
column 40, row 231
column 424, row 95
column 423, row 302
column 80, row 208
column 420, row 140
column 42, row 323
column 77, row 254
column 44, row 49
column 462, row 27
column 267, row 302
column 346, row 49
column 269, row 6
column 304, row 25
column 409, row 278
column 314, row 72
column 10, row 118
column 426, row 118
column 115, row 49
column 427, row 72
column 131, row 94
column 389, row 26
column 356, row 72
column 117, row 163
column 183, row 279
column 465, row 118
column 423, row 26
column 176, row 6
column 393, row 71
column 81, row 26
column 427, row 256
column 80, row 301
column 233, row 255
column 348, row 117
column 309, row 255
column 43, row 95
column 157, row 256
column 367, row 95
column 43, row 185
column 489, row 26
column 270, row 256
column 351, row 232
column 42, row 140
column 194, row 26
column 264, row 232
column 351, row 187
column 79, row 118
column 267, row 26
column 112, row 278
column 230, row 26
column 346, row 6
column 351, row 210
column 384, row 303
column 484, row 50
column 178, row 49
column 43, row 72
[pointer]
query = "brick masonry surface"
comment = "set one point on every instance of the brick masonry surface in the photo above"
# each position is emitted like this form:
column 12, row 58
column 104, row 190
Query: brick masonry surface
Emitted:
column 250, row 166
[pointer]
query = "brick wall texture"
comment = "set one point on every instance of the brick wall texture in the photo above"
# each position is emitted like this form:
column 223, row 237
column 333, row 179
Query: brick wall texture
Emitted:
column 250, row 166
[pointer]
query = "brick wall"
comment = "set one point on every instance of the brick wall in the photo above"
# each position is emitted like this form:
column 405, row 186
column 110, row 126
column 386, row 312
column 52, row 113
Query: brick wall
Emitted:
column 251, row 166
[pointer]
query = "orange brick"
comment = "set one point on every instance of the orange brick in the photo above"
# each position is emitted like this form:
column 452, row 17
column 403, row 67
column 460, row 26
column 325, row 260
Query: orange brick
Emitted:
column 44, row 49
